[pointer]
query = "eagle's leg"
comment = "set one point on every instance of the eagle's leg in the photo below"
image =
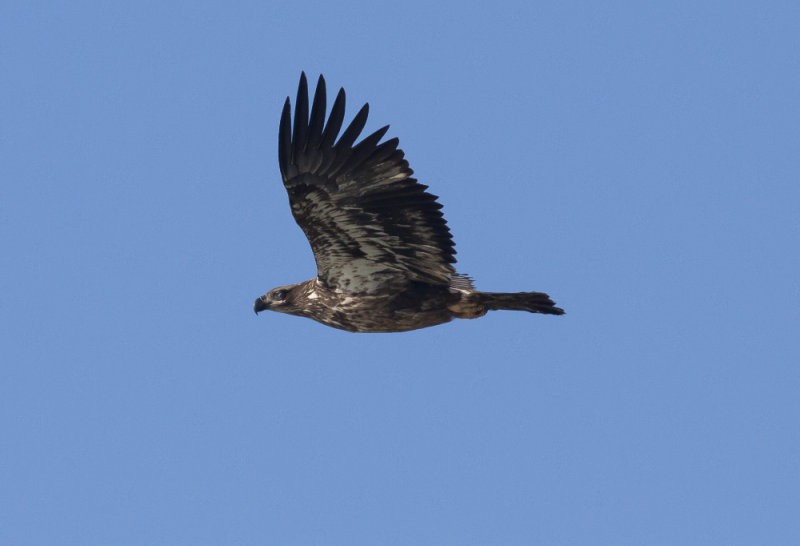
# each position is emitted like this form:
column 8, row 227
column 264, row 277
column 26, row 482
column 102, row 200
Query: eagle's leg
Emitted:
column 468, row 312
column 467, row 306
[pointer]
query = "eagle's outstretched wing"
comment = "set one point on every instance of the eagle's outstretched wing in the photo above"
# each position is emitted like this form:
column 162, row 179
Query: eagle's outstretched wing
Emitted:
column 369, row 223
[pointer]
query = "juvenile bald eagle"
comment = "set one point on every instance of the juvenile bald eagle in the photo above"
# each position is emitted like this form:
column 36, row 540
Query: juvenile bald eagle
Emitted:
column 383, row 250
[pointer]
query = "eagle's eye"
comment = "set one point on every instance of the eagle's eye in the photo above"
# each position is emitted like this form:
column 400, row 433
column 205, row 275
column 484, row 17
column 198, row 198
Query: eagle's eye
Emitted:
column 279, row 295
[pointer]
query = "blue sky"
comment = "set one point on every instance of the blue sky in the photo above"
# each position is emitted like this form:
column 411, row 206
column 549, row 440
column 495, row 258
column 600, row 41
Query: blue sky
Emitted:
column 638, row 161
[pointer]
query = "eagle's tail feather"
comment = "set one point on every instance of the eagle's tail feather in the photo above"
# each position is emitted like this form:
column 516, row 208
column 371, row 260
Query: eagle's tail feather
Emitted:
column 534, row 302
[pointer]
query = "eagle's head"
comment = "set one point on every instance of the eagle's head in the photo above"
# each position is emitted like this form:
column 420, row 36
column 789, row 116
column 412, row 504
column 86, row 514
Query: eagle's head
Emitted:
column 281, row 299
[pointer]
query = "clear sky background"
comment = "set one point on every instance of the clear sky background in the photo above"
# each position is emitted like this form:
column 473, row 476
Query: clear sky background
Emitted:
column 638, row 161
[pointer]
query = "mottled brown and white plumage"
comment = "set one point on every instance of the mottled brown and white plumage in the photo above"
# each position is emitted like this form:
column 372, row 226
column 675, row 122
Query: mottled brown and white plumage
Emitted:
column 383, row 250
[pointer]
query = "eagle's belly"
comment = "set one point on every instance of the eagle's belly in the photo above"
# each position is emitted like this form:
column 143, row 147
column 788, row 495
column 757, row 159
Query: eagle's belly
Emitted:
column 363, row 320
column 417, row 307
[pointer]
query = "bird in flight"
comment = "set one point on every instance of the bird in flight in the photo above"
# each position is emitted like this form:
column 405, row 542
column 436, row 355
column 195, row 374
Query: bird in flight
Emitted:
column 383, row 250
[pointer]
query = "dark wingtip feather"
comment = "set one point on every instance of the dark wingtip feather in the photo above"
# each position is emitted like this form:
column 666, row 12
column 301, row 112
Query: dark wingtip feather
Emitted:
column 382, row 131
column 364, row 149
column 285, row 138
column 301, row 116
column 334, row 120
column 343, row 149
column 354, row 129
column 317, row 119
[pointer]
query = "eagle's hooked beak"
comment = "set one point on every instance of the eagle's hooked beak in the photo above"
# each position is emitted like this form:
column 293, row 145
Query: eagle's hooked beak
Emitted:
column 260, row 305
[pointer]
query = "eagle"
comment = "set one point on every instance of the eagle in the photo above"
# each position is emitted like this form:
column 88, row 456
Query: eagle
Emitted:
column 383, row 250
